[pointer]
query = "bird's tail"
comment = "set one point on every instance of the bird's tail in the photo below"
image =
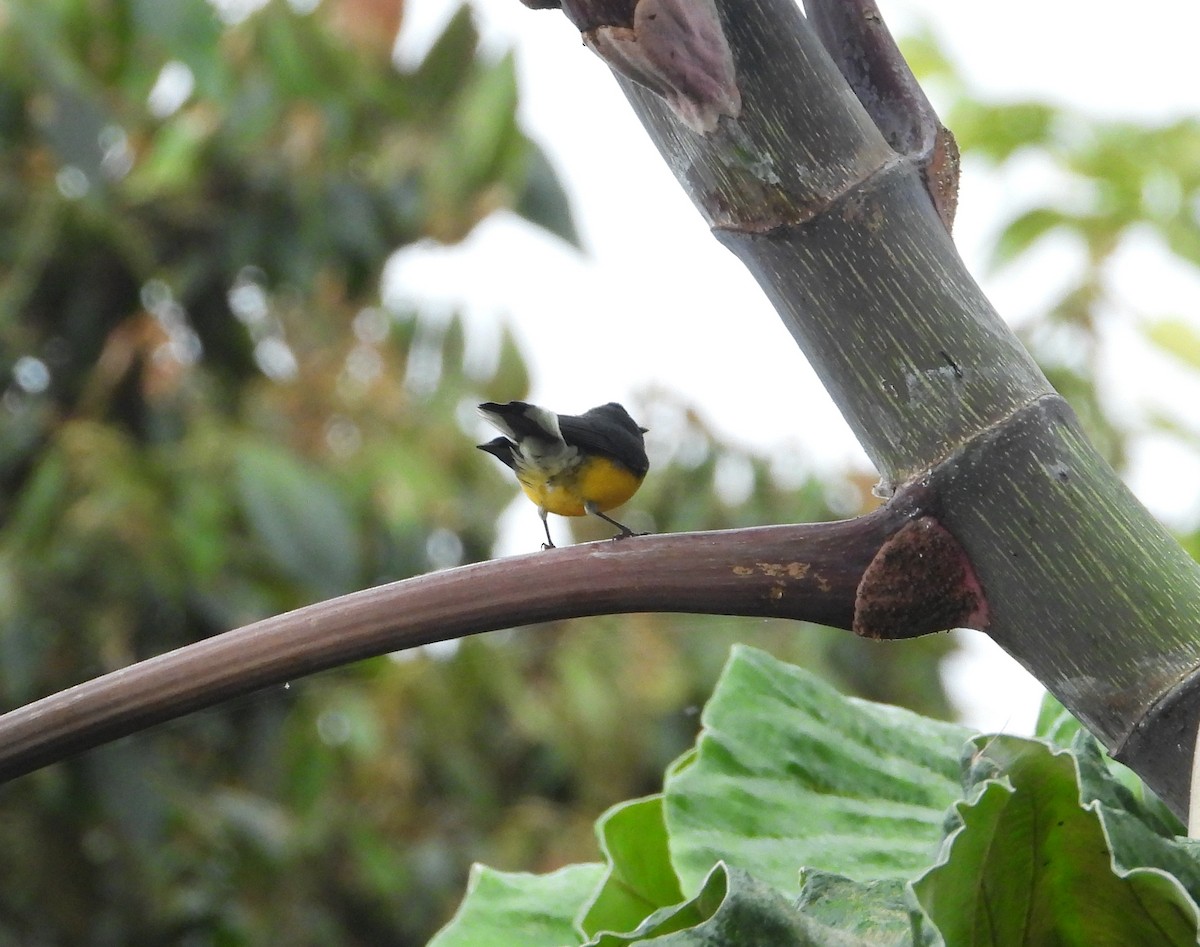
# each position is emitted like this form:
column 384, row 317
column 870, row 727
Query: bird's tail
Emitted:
column 521, row 420
column 501, row 447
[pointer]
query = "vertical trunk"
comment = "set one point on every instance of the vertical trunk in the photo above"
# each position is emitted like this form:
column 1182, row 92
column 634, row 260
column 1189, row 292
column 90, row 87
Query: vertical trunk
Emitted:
column 1084, row 588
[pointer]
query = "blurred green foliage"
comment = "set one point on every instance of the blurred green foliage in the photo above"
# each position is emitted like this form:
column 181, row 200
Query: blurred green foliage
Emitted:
column 1109, row 185
column 207, row 417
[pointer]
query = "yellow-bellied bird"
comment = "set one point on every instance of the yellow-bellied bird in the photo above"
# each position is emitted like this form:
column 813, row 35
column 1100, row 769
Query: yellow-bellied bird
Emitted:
column 570, row 464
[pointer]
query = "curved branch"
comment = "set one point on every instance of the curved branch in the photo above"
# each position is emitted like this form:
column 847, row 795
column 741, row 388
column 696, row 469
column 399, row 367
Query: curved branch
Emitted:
column 811, row 572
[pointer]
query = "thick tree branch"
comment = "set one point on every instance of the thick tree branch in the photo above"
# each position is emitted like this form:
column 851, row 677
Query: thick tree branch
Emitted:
column 810, row 572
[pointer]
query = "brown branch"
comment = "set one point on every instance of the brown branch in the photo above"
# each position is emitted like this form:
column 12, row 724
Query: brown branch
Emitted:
column 809, row 572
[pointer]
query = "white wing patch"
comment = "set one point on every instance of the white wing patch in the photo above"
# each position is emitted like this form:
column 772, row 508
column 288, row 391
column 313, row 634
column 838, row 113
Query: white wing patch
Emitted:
column 546, row 459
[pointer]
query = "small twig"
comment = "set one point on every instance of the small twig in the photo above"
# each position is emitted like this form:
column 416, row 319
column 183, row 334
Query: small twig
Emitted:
column 810, row 572
column 859, row 42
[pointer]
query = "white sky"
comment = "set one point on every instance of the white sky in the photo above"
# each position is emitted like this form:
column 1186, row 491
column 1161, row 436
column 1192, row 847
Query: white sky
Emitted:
column 681, row 312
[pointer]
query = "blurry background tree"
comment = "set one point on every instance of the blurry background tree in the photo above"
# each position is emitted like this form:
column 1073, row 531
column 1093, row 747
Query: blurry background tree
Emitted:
column 209, row 417
column 1112, row 193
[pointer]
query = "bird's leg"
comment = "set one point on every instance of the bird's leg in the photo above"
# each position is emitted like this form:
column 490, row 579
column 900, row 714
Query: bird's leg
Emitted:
column 549, row 544
column 625, row 530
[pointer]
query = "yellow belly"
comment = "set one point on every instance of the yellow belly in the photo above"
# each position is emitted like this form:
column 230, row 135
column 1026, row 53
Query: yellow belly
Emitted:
column 597, row 481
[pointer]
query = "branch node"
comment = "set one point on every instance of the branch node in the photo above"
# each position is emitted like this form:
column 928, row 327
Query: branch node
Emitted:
column 862, row 47
column 919, row 582
column 675, row 48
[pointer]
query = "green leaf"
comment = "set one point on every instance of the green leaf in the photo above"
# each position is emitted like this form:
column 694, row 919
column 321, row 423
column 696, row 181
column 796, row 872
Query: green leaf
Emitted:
column 542, row 200
column 298, row 66
column 872, row 912
column 301, row 520
column 1030, row 865
column 34, row 513
column 1177, row 338
column 686, row 916
column 353, row 219
column 1142, row 830
column 23, row 645
column 996, row 132
column 486, row 117
column 750, row 914
column 734, row 909
column 1055, row 724
column 171, row 159
column 503, row 908
column 790, row 774
column 1023, row 231
column 640, row 878
column 482, row 133
column 927, row 59
column 446, row 65
column 189, row 32
column 510, row 380
column 453, row 346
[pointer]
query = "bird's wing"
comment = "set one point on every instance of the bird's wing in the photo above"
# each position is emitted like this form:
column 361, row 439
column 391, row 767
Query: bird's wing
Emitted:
column 607, row 430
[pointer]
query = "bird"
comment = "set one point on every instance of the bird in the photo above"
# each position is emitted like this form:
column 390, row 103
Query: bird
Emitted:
column 568, row 464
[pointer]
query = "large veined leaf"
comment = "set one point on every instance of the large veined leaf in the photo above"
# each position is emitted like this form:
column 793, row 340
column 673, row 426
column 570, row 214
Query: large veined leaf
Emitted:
column 787, row 732
column 502, row 908
column 1030, row 865
column 789, row 774
column 640, row 877
column 803, row 817
column 734, row 909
